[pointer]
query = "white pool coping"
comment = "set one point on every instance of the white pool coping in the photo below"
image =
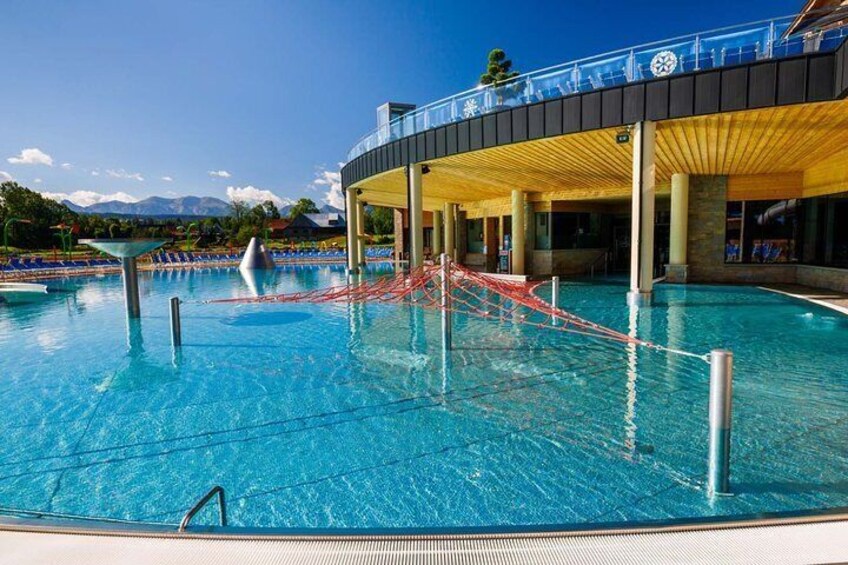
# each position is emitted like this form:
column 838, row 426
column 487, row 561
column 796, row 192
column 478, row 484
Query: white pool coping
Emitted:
column 807, row 298
column 820, row 539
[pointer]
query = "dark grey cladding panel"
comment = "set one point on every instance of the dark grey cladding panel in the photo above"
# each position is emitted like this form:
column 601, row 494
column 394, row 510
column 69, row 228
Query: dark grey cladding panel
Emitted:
column 463, row 135
column 383, row 158
column 571, row 114
column 450, row 134
column 821, row 78
column 656, row 100
column 839, row 64
column 681, row 96
column 396, row 147
column 430, row 144
column 420, row 148
column 590, row 116
column 792, row 81
column 476, row 133
column 519, row 124
column 707, row 92
column 553, row 117
column 536, row 121
column 611, row 107
column 490, row 130
column 762, row 83
column 441, row 142
column 844, row 68
column 734, row 89
column 404, row 152
column 634, row 103
column 504, row 127
column 413, row 148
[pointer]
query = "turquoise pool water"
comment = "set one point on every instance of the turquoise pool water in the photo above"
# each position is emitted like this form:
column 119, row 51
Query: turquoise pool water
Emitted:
column 339, row 416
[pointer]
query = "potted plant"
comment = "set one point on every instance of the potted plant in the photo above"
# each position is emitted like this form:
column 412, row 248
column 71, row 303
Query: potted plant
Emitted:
column 498, row 75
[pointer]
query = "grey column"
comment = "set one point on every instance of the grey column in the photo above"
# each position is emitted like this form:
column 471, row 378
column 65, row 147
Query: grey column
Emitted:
column 129, row 272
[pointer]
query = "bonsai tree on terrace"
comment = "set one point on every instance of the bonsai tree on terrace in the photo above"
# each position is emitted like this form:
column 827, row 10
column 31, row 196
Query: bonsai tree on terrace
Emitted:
column 498, row 72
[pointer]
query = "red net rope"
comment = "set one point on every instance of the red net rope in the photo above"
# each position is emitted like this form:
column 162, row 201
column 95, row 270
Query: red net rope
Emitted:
column 470, row 293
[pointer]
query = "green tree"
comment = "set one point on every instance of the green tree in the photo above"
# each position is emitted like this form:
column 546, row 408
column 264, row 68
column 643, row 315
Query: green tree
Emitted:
column 379, row 220
column 303, row 206
column 271, row 210
column 238, row 210
column 498, row 72
column 17, row 201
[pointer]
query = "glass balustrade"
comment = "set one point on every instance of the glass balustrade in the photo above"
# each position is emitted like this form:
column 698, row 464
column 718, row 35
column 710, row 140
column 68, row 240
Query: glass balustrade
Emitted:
column 719, row 48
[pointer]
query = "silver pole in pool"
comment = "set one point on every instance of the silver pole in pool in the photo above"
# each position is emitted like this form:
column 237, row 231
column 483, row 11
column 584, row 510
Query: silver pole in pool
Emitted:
column 554, row 297
column 129, row 273
column 447, row 321
column 721, row 404
column 176, row 326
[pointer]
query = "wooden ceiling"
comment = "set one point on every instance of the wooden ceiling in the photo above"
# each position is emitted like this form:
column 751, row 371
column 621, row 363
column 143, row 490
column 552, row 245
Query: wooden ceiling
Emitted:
column 592, row 165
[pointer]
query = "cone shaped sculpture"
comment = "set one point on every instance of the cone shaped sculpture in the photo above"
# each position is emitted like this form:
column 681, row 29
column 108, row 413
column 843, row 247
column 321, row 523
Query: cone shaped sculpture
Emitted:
column 257, row 256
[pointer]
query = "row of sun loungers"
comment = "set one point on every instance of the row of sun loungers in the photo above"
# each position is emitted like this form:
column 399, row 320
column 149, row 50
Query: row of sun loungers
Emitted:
column 28, row 264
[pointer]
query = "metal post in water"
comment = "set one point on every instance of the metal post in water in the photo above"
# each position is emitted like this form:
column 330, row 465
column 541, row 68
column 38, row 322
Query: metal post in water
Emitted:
column 554, row 298
column 447, row 318
column 129, row 273
column 721, row 404
column 176, row 326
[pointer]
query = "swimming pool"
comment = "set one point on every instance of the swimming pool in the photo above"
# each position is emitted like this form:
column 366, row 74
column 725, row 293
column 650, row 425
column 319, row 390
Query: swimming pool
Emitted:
column 349, row 416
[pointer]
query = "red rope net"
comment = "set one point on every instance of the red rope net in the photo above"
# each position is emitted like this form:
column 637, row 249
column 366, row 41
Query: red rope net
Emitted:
column 470, row 293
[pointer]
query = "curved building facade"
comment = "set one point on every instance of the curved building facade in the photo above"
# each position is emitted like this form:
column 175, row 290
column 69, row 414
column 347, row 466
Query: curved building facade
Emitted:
column 719, row 157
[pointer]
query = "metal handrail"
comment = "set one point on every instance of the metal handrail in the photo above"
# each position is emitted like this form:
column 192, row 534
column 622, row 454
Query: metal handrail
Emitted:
column 372, row 139
column 222, row 507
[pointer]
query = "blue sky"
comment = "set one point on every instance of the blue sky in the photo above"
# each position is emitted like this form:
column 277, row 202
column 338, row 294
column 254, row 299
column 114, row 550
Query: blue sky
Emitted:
column 120, row 97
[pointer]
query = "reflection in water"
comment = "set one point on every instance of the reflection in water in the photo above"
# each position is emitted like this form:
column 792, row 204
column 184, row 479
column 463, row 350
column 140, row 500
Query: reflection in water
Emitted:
column 139, row 371
column 632, row 375
column 259, row 281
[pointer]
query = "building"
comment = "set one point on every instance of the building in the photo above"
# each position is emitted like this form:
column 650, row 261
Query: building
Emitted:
column 719, row 157
column 314, row 227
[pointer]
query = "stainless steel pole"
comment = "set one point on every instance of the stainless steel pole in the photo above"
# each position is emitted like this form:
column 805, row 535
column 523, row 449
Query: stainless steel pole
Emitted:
column 554, row 298
column 447, row 318
column 176, row 325
column 129, row 273
column 721, row 404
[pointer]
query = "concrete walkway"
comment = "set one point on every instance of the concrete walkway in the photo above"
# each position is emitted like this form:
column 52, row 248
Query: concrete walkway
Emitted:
column 837, row 301
column 812, row 540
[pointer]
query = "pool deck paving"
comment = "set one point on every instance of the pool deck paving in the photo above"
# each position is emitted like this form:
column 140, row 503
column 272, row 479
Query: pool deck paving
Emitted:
column 823, row 539
column 832, row 299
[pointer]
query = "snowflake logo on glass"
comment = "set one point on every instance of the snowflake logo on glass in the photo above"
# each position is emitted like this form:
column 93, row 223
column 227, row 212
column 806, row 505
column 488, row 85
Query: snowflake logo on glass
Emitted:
column 469, row 108
column 663, row 63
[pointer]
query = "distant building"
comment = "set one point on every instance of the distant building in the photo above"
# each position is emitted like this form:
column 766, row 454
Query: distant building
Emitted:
column 315, row 226
column 278, row 227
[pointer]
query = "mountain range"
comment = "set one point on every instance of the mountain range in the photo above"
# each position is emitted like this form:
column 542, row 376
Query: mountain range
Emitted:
column 183, row 207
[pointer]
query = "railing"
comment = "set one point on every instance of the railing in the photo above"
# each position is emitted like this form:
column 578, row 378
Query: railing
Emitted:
column 222, row 507
column 702, row 51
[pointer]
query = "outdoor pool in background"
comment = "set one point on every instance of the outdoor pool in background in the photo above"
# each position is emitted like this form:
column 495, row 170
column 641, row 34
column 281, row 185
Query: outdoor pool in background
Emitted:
column 349, row 416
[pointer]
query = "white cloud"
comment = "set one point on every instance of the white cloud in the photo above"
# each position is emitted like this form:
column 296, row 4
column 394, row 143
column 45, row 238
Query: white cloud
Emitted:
column 220, row 174
column 37, row 181
column 67, row 166
column 332, row 180
column 166, row 178
column 254, row 195
column 32, row 156
column 122, row 174
column 5, row 177
column 87, row 197
column 95, row 173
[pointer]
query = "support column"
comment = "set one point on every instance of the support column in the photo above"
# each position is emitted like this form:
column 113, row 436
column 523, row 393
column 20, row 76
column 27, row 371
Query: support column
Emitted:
column 129, row 273
column 352, row 230
column 437, row 233
column 490, row 244
column 518, row 233
column 677, row 269
column 450, row 230
column 416, row 216
column 400, row 245
column 360, row 235
column 461, row 235
column 529, row 236
column 642, row 229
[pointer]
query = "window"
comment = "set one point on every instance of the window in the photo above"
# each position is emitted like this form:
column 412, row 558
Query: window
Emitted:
column 475, row 235
column 762, row 231
column 568, row 230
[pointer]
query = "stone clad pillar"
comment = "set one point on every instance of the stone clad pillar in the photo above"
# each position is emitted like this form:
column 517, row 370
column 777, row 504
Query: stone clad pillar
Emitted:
column 360, row 226
column 677, row 269
column 437, row 233
column 416, row 216
column 490, row 244
column 400, row 245
column 450, row 230
column 529, row 236
column 352, row 230
column 518, row 235
column 642, row 229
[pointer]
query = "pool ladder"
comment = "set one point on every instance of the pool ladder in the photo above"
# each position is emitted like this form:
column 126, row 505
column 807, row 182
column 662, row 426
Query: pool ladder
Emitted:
column 222, row 507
